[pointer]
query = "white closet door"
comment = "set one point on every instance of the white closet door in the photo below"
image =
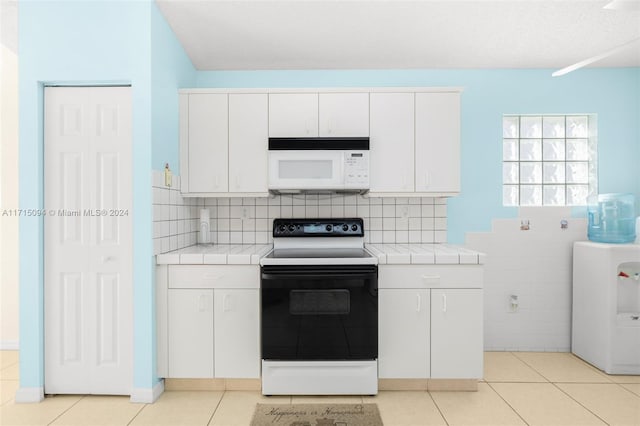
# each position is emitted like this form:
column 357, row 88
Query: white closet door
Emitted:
column 88, row 240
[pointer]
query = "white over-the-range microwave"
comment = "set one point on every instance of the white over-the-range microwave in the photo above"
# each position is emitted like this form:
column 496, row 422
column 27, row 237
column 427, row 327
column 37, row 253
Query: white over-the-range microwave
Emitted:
column 319, row 165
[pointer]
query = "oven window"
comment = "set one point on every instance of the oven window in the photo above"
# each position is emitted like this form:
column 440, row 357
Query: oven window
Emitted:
column 319, row 302
column 305, row 169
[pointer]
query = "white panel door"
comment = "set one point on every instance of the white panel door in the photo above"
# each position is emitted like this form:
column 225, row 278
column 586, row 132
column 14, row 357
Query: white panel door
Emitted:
column 248, row 142
column 190, row 330
column 237, row 333
column 293, row 115
column 343, row 114
column 437, row 142
column 208, row 143
column 456, row 334
column 404, row 333
column 88, row 240
column 391, row 142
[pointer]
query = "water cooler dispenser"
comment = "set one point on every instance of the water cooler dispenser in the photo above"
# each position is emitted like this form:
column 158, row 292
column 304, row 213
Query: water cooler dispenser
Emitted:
column 606, row 306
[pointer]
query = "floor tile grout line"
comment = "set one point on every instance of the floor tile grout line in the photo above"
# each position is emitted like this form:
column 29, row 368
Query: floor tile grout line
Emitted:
column 507, row 402
column 531, row 367
column 138, row 412
column 579, row 403
column 224, row 392
column 438, row 408
column 65, row 411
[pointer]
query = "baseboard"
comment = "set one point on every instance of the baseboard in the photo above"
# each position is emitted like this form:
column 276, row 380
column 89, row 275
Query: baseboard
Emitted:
column 29, row 395
column 147, row 396
column 470, row 385
column 212, row 384
column 9, row 345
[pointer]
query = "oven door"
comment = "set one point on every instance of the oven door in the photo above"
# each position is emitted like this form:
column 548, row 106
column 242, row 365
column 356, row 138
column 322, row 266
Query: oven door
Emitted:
column 319, row 312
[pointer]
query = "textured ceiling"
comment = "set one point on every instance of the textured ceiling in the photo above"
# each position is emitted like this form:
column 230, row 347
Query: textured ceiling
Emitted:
column 249, row 35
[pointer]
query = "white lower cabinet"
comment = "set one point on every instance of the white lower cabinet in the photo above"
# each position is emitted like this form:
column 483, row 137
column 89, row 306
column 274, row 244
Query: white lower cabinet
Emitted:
column 403, row 319
column 237, row 333
column 456, row 334
column 208, row 321
column 190, row 323
column 430, row 322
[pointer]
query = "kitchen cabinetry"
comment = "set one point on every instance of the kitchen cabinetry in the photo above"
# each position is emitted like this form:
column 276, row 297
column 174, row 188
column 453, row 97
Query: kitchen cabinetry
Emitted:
column 414, row 136
column 208, row 321
column 456, row 333
column 190, row 333
column 223, row 144
column 440, row 308
column 237, row 336
column 403, row 318
column 323, row 114
column 392, row 142
column 204, row 143
column 437, row 152
column 248, row 136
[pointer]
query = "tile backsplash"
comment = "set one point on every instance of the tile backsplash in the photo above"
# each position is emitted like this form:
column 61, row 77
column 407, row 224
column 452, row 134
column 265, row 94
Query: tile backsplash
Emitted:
column 249, row 220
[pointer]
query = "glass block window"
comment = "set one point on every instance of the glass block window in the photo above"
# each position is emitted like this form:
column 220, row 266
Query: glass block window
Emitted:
column 548, row 160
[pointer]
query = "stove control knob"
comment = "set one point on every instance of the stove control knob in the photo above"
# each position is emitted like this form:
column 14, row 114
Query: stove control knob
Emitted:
column 292, row 228
column 354, row 227
column 329, row 228
column 281, row 228
column 345, row 227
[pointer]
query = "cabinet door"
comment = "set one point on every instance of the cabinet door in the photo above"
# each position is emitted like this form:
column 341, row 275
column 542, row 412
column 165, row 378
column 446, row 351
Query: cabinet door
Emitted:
column 293, row 114
column 190, row 341
column 437, row 142
column 391, row 142
column 237, row 333
column 344, row 114
column 207, row 146
column 248, row 141
column 403, row 350
column 456, row 334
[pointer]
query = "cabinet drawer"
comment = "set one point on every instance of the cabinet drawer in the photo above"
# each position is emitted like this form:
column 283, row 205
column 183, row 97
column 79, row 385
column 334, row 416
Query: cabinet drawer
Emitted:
column 433, row 276
column 223, row 276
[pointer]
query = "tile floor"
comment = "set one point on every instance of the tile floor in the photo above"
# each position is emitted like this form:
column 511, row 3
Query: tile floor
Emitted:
column 519, row 388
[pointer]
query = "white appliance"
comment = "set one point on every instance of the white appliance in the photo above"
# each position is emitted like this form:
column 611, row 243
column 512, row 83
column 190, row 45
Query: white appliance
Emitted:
column 606, row 306
column 319, row 316
column 318, row 165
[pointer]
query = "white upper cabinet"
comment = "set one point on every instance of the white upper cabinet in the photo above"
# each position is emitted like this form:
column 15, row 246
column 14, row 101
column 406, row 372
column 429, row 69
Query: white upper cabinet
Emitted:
column 293, row 115
column 248, row 139
column 205, row 147
column 343, row 114
column 437, row 152
column 392, row 142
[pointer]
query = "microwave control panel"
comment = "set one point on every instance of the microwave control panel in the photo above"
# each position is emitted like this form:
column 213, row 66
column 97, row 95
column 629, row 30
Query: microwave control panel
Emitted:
column 356, row 169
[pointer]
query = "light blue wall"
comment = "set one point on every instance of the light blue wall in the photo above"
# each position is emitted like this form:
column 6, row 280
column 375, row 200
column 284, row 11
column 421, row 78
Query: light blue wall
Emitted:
column 612, row 94
column 93, row 43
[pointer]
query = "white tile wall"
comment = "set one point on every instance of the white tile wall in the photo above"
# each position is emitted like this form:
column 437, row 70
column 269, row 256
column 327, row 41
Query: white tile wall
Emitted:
column 386, row 220
column 175, row 219
column 249, row 220
column 536, row 266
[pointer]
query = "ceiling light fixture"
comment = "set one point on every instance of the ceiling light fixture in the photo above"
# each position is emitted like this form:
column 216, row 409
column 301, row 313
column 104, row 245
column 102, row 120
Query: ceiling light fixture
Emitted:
column 596, row 58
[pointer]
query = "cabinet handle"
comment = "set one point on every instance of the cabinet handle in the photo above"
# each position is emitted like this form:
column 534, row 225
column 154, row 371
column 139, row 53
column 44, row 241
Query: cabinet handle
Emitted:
column 444, row 302
column 418, row 302
column 217, row 182
column 431, row 279
column 202, row 303
column 225, row 303
column 237, row 181
column 211, row 276
column 404, row 181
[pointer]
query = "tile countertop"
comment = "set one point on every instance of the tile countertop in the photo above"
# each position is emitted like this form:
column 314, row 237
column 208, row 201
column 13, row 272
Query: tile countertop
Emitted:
column 215, row 254
column 250, row 254
column 425, row 254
